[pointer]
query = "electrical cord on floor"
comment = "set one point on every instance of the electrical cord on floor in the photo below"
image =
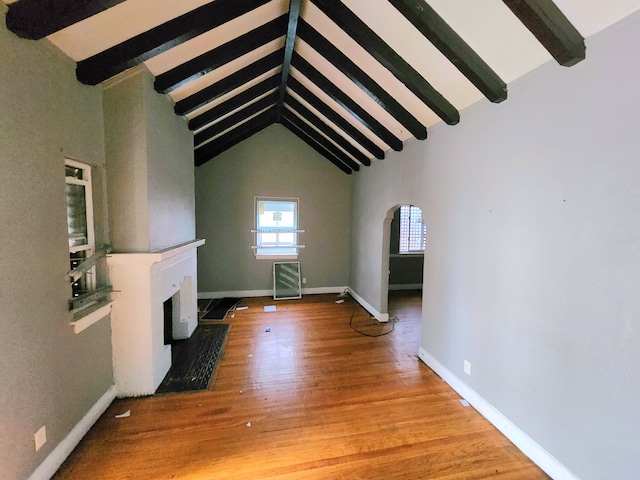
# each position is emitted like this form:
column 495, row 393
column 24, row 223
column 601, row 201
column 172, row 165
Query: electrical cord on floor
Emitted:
column 392, row 320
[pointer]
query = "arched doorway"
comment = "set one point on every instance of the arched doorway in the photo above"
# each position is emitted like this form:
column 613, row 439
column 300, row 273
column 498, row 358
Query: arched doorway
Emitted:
column 403, row 266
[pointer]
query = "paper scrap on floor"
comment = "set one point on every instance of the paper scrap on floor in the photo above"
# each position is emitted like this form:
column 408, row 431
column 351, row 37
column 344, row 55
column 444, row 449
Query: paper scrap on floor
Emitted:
column 269, row 308
column 242, row 308
column 124, row 415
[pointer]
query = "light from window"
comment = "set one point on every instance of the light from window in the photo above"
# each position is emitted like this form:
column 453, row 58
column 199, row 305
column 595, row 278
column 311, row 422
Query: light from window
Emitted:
column 413, row 231
column 276, row 226
column 80, row 222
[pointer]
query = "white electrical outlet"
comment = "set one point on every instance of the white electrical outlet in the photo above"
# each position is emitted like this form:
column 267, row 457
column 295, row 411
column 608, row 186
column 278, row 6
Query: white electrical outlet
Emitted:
column 40, row 437
column 467, row 367
column 304, row 279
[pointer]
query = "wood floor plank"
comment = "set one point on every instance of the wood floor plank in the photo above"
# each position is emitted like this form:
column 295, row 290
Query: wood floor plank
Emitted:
column 299, row 394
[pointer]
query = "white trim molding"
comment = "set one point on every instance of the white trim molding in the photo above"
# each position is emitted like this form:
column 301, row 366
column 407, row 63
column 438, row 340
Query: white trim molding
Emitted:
column 94, row 317
column 56, row 458
column 268, row 293
column 526, row 444
column 381, row 317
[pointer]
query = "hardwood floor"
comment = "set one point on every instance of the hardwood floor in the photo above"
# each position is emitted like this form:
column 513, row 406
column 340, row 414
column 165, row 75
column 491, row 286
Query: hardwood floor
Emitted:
column 309, row 399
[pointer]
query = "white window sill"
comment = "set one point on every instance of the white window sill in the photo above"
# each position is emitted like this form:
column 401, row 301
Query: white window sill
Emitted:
column 292, row 256
column 93, row 315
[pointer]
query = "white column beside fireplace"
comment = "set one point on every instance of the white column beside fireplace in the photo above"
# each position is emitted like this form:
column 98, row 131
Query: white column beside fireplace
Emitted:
column 142, row 282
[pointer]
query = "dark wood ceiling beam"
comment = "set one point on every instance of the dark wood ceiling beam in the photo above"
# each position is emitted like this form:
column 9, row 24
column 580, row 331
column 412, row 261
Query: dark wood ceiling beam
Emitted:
column 294, row 16
column 311, row 143
column 234, row 102
column 552, row 29
column 36, row 19
column 234, row 119
column 142, row 47
column 335, row 118
column 452, row 46
column 229, row 83
column 209, row 61
column 317, row 137
column 361, row 79
column 348, row 21
column 327, row 130
column 234, row 137
column 346, row 102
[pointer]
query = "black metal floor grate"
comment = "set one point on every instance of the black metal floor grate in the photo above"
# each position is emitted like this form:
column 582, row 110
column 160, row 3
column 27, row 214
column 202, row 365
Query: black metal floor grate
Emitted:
column 194, row 360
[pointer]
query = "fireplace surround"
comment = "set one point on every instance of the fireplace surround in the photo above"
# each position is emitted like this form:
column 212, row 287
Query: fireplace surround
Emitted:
column 142, row 282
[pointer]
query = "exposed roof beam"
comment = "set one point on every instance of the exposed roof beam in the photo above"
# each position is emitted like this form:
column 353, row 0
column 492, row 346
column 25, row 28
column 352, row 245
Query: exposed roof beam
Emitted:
column 234, row 137
column 317, row 137
column 335, row 117
column 346, row 102
column 229, row 83
column 452, row 46
column 234, row 119
column 294, row 15
column 207, row 62
column 552, row 29
column 329, row 132
column 383, row 53
column 361, row 79
column 234, row 102
column 316, row 146
column 35, row 19
column 142, row 47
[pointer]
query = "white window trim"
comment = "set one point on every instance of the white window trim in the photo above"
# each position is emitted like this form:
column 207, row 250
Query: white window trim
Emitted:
column 86, row 182
column 276, row 256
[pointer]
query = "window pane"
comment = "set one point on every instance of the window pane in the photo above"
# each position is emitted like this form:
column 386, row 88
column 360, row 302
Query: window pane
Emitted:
column 268, row 238
column 286, row 238
column 412, row 229
column 79, row 286
column 73, row 172
column 76, row 215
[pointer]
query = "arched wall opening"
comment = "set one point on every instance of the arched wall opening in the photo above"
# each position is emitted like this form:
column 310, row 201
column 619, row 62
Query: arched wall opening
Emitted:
column 402, row 262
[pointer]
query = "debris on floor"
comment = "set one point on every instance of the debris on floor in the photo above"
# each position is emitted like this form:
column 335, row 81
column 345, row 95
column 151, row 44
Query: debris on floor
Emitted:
column 124, row 415
column 269, row 308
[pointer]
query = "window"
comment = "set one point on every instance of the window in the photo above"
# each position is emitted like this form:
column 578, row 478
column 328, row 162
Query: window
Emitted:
column 276, row 227
column 413, row 232
column 80, row 223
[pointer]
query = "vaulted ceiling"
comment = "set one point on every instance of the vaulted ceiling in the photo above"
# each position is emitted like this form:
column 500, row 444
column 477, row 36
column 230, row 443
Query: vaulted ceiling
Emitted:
column 352, row 78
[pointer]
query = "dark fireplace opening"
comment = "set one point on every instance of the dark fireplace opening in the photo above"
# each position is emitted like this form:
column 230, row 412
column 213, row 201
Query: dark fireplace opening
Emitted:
column 168, row 321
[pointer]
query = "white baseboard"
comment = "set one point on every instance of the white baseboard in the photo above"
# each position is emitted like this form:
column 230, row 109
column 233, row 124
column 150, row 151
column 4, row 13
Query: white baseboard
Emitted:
column 406, row 286
column 52, row 463
column 236, row 294
column 268, row 293
column 381, row 317
column 526, row 444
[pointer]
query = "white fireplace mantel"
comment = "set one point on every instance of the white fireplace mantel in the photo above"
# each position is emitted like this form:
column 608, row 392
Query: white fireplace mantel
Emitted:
column 141, row 283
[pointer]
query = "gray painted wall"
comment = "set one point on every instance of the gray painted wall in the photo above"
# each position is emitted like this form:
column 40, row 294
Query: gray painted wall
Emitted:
column 170, row 172
column 276, row 163
column 150, row 168
column 49, row 376
column 533, row 260
column 126, row 153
